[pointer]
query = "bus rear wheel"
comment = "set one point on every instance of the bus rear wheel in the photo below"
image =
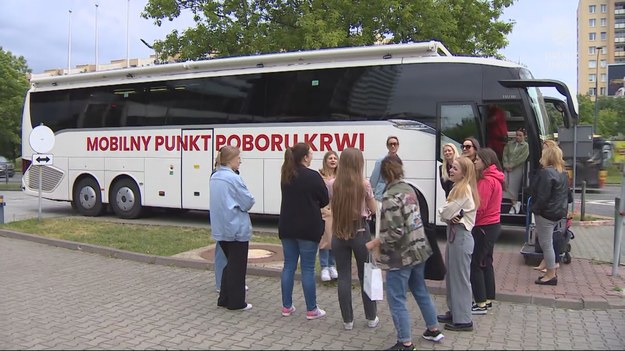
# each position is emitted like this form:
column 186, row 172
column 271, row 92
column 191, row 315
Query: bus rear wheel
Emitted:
column 126, row 199
column 88, row 198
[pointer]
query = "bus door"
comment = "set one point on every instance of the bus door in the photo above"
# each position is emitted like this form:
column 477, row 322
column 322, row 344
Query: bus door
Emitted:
column 197, row 166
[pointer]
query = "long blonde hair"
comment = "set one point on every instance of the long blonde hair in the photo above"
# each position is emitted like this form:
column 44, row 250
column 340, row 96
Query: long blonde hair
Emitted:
column 348, row 193
column 455, row 150
column 325, row 171
column 467, row 183
column 552, row 156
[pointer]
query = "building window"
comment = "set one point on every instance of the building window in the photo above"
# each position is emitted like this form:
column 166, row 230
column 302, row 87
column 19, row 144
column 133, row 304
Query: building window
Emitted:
column 592, row 64
column 592, row 22
column 604, row 8
column 604, row 63
column 592, row 36
column 603, row 77
column 591, row 91
column 592, row 77
column 592, row 8
column 604, row 35
column 592, row 50
column 602, row 91
column 604, row 22
column 604, row 50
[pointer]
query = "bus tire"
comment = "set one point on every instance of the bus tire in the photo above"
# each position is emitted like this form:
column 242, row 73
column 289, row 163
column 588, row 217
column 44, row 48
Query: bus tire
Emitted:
column 125, row 199
column 88, row 198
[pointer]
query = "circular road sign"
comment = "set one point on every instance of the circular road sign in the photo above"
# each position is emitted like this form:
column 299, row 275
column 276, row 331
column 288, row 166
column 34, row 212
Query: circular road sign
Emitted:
column 41, row 139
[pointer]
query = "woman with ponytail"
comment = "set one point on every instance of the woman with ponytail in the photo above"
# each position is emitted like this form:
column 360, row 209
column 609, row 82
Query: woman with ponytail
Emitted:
column 300, row 226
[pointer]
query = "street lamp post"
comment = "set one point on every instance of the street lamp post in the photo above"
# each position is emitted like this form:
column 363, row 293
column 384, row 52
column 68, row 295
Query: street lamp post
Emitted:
column 594, row 128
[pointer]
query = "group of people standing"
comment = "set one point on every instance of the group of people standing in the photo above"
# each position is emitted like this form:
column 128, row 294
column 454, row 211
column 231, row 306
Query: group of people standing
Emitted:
column 474, row 184
column 326, row 212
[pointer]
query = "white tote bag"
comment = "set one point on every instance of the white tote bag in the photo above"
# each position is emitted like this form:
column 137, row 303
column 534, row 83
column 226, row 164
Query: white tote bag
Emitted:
column 372, row 283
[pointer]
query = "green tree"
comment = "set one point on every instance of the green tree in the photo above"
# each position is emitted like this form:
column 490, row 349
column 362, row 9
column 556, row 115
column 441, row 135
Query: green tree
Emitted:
column 14, row 72
column 243, row 27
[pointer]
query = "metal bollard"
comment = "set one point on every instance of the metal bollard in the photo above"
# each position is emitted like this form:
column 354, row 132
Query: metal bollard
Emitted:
column 2, row 204
column 582, row 210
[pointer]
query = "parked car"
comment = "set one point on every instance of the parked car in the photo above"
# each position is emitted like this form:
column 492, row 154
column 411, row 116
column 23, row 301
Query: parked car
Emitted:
column 6, row 166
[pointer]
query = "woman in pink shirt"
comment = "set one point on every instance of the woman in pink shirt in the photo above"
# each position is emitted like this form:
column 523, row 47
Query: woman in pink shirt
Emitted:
column 487, row 228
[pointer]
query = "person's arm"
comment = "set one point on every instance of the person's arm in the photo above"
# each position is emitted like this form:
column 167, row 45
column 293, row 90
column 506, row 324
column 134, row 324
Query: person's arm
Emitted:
column 521, row 156
column 321, row 190
column 369, row 198
column 541, row 191
column 392, row 220
column 375, row 175
column 244, row 198
column 451, row 209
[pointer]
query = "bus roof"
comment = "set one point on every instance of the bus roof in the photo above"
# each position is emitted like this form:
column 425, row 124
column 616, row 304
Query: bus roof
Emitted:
column 406, row 53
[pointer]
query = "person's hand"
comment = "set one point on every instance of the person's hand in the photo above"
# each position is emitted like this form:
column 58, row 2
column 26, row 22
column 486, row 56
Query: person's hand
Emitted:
column 455, row 220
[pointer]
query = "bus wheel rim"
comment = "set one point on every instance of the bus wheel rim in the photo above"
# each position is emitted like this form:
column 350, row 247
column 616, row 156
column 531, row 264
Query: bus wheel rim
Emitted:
column 125, row 198
column 87, row 197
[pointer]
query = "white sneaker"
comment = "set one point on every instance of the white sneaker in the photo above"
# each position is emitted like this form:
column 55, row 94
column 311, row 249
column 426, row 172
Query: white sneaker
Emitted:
column 247, row 308
column 517, row 207
column 334, row 274
column 373, row 323
column 316, row 313
column 325, row 275
column 348, row 326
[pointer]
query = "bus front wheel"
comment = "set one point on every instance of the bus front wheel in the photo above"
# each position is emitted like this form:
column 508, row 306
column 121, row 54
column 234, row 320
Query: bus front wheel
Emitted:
column 126, row 199
column 88, row 198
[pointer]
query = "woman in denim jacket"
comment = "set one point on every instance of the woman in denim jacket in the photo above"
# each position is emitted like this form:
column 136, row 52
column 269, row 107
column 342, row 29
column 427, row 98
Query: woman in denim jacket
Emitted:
column 230, row 201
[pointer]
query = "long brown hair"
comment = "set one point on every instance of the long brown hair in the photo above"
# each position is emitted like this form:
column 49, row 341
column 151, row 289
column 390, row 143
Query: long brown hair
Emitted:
column 293, row 157
column 488, row 157
column 467, row 183
column 348, row 194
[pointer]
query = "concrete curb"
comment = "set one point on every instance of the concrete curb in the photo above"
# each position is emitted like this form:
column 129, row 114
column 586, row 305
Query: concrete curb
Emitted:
column 574, row 304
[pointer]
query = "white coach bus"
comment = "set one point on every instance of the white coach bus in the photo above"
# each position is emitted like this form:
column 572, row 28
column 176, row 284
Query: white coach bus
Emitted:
column 147, row 136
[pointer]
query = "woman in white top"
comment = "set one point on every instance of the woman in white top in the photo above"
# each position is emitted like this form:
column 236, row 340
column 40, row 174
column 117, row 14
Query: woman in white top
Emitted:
column 459, row 214
column 326, row 258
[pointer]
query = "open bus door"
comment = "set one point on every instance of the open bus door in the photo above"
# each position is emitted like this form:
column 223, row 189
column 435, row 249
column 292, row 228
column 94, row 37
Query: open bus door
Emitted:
column 538, row 129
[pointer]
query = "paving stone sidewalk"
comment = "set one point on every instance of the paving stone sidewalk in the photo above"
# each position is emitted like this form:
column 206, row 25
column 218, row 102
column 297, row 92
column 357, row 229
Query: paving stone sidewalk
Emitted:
column 54, row 298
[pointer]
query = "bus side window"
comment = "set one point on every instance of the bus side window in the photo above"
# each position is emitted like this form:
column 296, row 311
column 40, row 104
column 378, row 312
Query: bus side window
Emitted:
column 458, row 121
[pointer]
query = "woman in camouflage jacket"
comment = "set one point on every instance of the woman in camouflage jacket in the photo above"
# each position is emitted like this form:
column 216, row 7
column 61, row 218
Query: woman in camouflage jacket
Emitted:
column 403, row 251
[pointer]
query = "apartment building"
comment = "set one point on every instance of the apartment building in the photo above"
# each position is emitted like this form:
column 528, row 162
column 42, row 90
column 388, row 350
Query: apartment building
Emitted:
column 600, row 42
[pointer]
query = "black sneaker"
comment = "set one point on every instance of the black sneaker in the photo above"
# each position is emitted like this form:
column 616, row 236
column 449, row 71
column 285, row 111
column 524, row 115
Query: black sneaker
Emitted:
column 445, row 318
column 433, row 335
column 489, row 305
column 476, row 309
column 400, row 346
column 459, row 326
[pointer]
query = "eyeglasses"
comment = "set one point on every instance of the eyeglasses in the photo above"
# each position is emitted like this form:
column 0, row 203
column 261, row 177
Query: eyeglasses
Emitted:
column 393, row 144
column 466, row 147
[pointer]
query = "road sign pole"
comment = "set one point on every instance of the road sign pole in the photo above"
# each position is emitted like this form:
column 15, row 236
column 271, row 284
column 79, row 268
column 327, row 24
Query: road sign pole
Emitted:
column 40, row 181
column 619, row 215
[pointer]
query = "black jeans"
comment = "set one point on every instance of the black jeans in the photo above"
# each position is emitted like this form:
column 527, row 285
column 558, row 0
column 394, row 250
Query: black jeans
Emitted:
column 232, row 291
column 482, row 271
column 342, row 250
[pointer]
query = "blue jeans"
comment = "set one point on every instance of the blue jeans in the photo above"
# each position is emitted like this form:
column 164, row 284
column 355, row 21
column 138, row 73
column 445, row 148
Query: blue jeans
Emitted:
column 293, row 249
column 398, row 281
column 326, row 258
column 219, row 264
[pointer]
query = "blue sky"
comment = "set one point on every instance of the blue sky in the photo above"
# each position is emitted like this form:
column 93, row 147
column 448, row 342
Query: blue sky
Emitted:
column 544, row 37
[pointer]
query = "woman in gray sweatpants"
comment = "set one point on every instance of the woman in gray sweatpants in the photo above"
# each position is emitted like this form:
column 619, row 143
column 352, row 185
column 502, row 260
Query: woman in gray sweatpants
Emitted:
column 459, row 214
